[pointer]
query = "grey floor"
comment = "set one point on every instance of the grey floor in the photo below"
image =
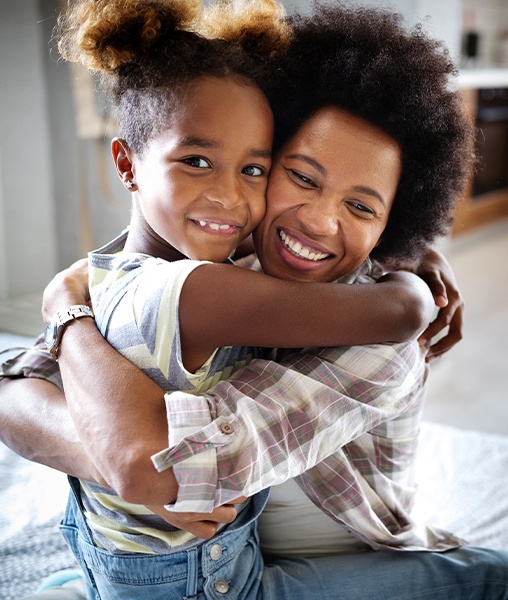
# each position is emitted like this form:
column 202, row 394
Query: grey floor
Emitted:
column 468, row 386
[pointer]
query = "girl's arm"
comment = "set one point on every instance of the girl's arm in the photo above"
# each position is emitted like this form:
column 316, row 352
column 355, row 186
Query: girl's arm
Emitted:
column 224, row 305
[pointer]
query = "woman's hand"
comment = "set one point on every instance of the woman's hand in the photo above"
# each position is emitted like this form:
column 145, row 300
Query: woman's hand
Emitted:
column 66, row 288
column 202, row 525
column 436, row 271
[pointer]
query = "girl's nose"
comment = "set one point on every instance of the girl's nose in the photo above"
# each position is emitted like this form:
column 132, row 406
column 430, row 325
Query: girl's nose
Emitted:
column 228, row 192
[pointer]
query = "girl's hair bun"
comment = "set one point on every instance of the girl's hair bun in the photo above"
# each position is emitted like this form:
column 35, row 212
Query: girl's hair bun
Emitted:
column 258, row 25
column 105, row 34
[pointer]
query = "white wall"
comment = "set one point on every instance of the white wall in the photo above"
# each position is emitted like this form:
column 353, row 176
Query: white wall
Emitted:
column 27, row 232
column 57, row 192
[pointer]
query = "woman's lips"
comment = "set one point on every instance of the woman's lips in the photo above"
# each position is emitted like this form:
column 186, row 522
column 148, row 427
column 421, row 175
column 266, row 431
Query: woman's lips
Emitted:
column 300, row 250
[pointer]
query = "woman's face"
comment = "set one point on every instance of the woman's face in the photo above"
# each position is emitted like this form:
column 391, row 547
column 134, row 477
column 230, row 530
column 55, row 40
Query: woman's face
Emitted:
column 329, row 196
column 201, row 182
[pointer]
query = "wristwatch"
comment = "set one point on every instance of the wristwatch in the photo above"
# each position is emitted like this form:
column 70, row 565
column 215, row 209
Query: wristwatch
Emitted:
column 57, row 324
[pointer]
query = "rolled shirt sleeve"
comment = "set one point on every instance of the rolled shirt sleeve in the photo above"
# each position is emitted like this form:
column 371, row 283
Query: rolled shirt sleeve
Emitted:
column 274, row 421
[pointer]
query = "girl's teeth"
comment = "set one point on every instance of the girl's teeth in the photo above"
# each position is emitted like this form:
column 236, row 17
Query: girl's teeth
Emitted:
column 215, row 226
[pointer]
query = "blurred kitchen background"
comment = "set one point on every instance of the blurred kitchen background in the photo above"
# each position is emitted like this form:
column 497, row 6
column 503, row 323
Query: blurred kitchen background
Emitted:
column 59, row 195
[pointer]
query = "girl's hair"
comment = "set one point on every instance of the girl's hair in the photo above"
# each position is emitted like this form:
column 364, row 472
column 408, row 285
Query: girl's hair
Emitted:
column 364, row 61
column 148, row 52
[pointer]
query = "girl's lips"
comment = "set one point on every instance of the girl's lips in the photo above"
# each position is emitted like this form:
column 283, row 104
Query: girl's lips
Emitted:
column 217, row 227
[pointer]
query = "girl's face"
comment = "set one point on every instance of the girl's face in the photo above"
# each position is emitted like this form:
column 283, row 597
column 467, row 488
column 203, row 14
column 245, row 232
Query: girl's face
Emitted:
column 328, row 199
column 201, row 183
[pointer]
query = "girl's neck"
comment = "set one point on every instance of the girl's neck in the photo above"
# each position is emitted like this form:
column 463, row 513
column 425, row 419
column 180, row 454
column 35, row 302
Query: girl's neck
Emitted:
column 142, row 239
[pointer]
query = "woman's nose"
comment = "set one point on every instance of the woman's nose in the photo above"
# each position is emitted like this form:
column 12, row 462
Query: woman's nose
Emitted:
column 320, row 217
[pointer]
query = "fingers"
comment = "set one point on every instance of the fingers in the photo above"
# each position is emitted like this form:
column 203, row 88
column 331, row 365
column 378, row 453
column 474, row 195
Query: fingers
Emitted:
column 203, row 525
column 447, row 341
column 437, row 288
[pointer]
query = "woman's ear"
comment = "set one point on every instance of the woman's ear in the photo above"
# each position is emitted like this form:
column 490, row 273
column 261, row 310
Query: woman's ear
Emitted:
column 122, row 157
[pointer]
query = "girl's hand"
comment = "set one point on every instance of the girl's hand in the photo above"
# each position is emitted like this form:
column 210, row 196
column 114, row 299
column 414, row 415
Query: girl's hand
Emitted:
column 436, row 271
column 202, row 525
column 66, row 288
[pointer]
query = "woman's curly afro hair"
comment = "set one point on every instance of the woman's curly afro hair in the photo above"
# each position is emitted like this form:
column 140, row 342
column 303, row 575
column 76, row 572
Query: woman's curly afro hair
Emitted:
column 364, row 61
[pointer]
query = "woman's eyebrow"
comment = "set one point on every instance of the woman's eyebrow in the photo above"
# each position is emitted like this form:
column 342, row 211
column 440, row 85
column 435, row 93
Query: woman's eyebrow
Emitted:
column 363, row 189
column 310, row 161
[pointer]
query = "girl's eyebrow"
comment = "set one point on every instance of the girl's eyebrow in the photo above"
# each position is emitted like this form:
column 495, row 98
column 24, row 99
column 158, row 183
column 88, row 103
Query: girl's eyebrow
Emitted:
column 197, row 142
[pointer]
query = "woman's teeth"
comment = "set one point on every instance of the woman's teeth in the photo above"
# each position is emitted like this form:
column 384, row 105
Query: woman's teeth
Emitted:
column 301, row 251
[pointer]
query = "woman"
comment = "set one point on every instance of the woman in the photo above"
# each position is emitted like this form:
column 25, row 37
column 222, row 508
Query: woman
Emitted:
column 324, row 576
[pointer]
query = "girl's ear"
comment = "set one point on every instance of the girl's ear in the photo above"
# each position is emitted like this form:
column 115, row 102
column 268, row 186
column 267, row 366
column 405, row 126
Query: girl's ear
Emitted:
column 122, row 157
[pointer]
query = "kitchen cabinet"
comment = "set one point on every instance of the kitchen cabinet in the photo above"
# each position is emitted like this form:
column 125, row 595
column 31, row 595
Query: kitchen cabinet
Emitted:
column 477, row 209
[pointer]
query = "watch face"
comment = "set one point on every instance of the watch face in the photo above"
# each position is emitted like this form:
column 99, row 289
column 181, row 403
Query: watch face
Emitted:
column 50, row 333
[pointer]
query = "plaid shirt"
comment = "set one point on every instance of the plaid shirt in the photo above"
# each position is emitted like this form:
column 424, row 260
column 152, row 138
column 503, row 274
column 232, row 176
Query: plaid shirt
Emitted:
column 343, row 421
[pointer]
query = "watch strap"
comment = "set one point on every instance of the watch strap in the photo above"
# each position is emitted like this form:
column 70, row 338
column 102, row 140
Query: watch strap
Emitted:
column 73, row 312
column 63, row 318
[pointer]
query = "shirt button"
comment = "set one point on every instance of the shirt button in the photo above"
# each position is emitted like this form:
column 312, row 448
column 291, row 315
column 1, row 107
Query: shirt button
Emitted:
column 215, row 552
column 226, row 428
column 221, row 586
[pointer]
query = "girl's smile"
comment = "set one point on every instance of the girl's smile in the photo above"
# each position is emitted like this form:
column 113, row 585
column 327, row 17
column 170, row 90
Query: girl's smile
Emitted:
column 201, row 182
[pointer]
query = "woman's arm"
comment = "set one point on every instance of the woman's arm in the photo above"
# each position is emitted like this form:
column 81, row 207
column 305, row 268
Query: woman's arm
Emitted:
column 437, row 272
column 119, row 411
column 36, row 424
column 98, row 378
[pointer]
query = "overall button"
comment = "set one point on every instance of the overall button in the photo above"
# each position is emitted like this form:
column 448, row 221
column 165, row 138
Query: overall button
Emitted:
column 215, row 552
column 221, row 586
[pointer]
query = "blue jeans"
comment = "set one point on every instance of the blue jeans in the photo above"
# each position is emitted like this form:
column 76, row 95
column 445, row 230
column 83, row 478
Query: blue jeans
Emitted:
column 231, row 567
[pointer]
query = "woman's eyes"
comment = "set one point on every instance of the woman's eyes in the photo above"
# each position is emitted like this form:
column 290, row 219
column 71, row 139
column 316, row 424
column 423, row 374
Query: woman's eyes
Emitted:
column 359, row 207
column 197, row 161
column 301, row 179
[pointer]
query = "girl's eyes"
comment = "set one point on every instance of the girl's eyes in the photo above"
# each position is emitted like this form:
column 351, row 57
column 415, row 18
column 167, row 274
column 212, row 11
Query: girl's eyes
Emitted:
column 197, row 161
column 253, row 171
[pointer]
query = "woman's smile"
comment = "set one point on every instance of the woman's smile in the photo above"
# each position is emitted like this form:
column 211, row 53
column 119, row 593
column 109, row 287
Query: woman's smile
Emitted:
column 298, row 247
column 329, row 196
